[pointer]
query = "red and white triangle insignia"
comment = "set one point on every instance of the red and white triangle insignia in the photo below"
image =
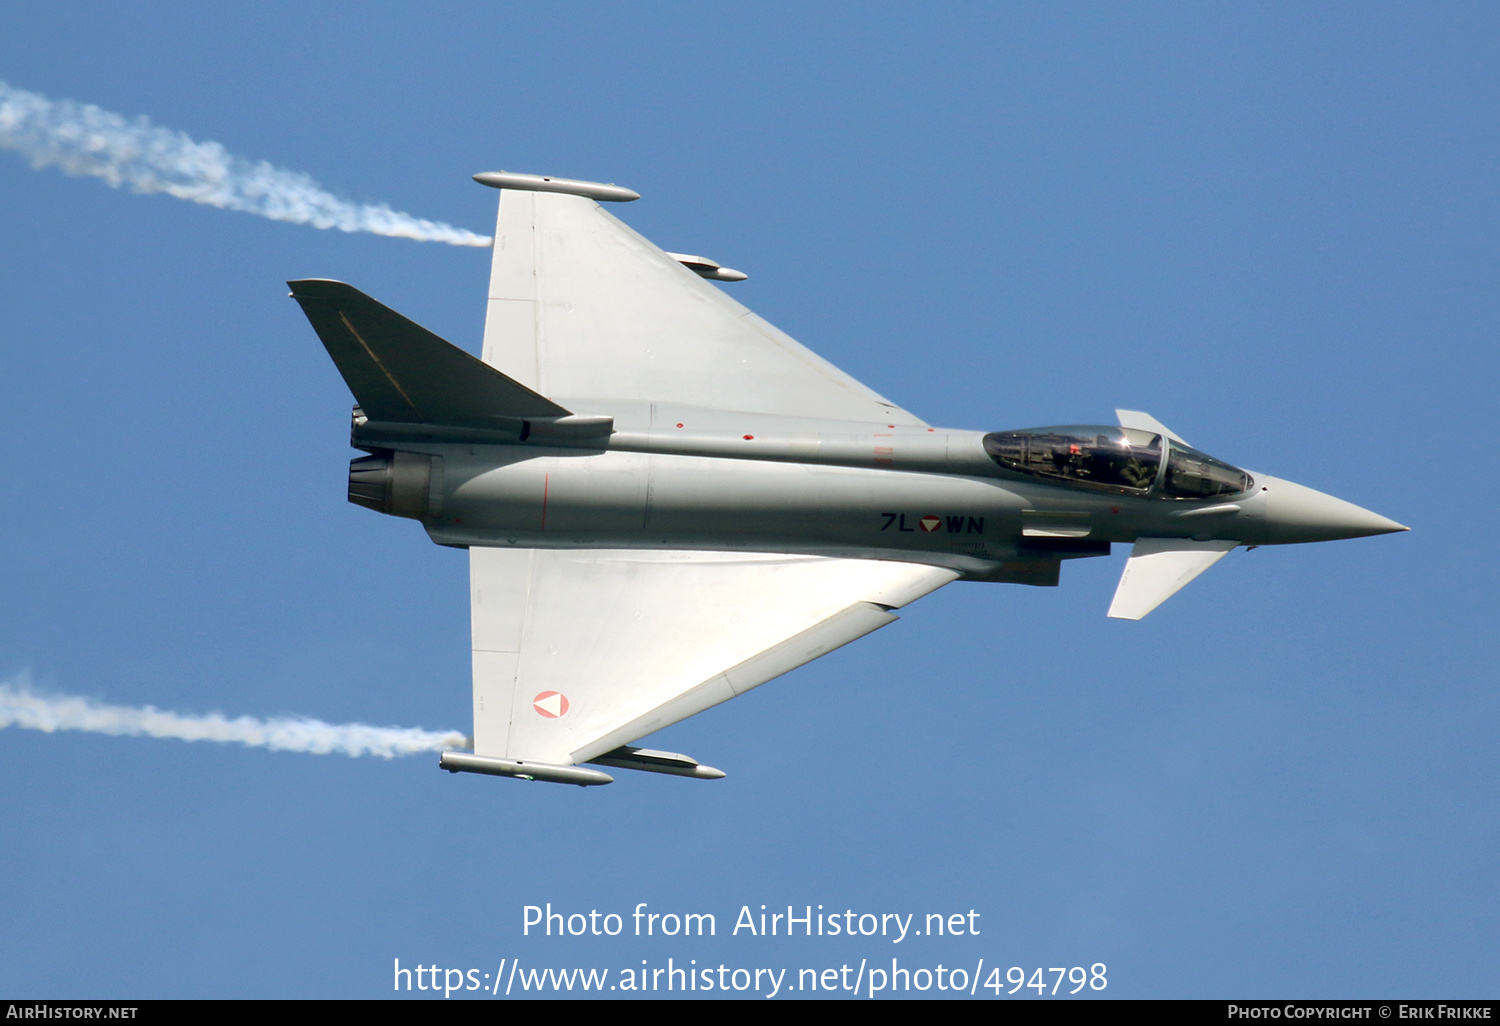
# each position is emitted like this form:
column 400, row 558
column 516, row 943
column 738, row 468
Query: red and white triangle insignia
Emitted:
column 550, row 704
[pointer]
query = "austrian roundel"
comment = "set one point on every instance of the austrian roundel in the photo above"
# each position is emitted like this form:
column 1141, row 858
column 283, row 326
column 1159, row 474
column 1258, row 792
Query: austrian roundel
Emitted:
column 550, row 704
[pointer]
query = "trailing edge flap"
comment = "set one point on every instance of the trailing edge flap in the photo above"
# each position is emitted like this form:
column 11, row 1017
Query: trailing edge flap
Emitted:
column 577, row 652
column 400, row 371
column 1158, row 568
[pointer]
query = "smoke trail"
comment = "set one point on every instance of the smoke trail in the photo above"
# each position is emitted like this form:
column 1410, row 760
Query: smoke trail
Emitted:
column 22, row 707
column 82, row 139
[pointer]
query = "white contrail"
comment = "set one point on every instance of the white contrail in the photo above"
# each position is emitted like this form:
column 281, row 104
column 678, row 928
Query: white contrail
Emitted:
column 82, row 139
column 22, row 707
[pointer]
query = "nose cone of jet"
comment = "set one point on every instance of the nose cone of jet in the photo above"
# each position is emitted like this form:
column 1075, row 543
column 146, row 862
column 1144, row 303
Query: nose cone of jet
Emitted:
column 1294, row 513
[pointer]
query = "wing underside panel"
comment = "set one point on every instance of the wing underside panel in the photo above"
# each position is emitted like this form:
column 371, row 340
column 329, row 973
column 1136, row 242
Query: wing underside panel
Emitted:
column 581, row 305
column 578, row 652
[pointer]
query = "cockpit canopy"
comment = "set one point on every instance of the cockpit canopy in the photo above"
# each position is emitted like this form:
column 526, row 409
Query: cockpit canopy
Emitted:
column 1114, row 459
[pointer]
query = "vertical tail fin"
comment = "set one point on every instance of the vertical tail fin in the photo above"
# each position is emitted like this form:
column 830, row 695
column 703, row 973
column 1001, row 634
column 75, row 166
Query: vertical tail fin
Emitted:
column 399, row 371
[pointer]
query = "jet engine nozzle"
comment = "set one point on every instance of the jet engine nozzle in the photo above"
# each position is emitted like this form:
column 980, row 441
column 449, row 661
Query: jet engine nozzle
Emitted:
column 398, row 483
column 1295, row 513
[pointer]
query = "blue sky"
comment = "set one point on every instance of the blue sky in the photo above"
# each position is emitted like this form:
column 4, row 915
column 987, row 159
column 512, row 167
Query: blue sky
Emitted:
column 1271, row 226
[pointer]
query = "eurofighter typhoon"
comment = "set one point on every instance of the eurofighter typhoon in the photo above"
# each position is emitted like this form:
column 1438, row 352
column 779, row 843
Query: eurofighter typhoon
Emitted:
column 667, row 502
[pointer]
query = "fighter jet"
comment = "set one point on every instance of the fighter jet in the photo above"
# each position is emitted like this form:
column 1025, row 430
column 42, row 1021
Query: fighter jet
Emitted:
column 667, row 502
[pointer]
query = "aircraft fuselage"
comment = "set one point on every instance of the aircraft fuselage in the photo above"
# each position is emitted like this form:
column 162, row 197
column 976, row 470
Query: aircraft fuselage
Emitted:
column 706, row 480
